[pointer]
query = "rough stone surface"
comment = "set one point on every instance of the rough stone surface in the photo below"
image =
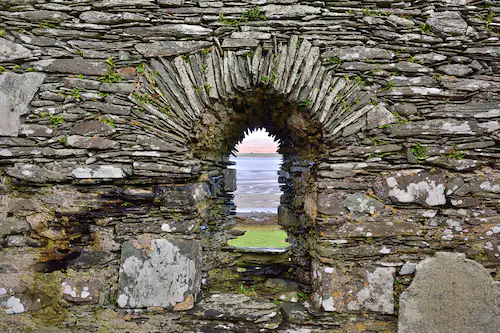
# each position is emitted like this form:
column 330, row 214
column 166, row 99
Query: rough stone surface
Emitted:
column 12, row 51
column 363, row 204
column 450, row 294
column 370, row 290
column 388, row 129
column 450, row 22
column 170, row 48
column 16, row 92
column 262, row 314
column 159, row 272
column 414, row 186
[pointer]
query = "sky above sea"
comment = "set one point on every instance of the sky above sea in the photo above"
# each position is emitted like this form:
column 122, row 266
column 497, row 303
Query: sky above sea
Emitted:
column 258, row 141
column 257, row 166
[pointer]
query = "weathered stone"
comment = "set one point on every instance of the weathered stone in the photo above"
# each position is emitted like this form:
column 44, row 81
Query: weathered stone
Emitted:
column 358, row 53
column 484, row 51
column 330, row 204
column 397, row 20
column 429, row 58
column 230, row 180
column 79, row 141
column 455, row 70
column 16, row 241
column 450, row 294
column 12, row 225
column 108, row 108
column 239, row 307
column 336, row 290
column 170, row 48
column 38, row 174
column 175, row 30
column 110, row 18
column 469, row 84
column 289, row 10
column 408, row 268
column 11, row 51
column 379, row 116
column 363, row 204
column 406, row 66
column 93, row 127
column 119, row 88
column 406, row 109
column 159, row 272
column 83, row 290
column 100, row 171
column 16, row 92
column 229, row 43
column 413, row 186
column 450, row 22
column 122, row 3
column 72, row 66
column 34, row 130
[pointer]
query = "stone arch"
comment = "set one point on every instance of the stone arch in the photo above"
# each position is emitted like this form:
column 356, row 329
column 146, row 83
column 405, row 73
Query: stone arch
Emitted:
column 205, row 99
column 180, row 90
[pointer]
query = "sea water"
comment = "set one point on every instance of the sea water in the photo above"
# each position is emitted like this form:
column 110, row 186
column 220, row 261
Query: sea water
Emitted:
column 257, row 183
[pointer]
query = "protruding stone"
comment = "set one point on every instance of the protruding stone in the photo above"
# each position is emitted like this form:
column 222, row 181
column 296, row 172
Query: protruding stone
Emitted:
column 71, row 66
column 79, row 141
column 169, row 48
column 450, row 22
column 16, row 92
column 159, row 272
column 413, row 186
column 379, row 116
column 92, row 127
column 455, row 70
column 358, row 53
column 450, row 294
column 11, row 51
column 337, row 291
column 100, row 171
column 363, row 204
column 240, row 308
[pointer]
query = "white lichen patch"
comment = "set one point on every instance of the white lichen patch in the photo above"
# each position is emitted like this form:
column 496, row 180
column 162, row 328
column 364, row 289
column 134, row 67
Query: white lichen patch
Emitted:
column 14, row 306
column 378, row 294
column 328, row 304
column 463, row 128
column 162, row 279
column 433, row 192
column 490, row 187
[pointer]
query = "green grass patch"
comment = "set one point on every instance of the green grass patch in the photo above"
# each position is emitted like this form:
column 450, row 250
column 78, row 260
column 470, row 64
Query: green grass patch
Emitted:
column 267, row 236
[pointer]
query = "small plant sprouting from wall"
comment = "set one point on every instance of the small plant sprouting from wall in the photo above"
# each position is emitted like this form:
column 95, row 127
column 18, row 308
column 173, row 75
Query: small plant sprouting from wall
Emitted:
column 248, row 292
column 427, row 28
column 418, row 151
column 252, row 14
column 455, row 154
column 112, row 76
column 335, row 61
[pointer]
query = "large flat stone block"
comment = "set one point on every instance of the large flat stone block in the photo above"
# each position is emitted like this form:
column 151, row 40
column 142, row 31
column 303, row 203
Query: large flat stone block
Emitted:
column 345, row 288
column 450, row 294
column 16, row 92
column 159, row 272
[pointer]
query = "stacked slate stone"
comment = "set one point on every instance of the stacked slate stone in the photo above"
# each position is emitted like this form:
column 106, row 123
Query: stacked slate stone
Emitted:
column 117, row 119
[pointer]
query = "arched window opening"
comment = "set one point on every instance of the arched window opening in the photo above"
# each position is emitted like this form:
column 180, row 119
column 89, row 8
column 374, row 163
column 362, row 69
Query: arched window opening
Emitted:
column 258, row 193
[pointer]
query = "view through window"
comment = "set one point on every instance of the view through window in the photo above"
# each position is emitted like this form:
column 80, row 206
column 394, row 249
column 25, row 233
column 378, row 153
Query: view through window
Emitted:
column 258, row 192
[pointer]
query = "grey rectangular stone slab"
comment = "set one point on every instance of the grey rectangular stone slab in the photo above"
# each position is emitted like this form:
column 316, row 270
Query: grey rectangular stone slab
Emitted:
column 159, row 272
column 16, row 92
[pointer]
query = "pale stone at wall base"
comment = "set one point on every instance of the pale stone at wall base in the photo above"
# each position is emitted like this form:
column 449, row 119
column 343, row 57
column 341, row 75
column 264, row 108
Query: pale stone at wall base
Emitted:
column 450, row 294
column 159, row 272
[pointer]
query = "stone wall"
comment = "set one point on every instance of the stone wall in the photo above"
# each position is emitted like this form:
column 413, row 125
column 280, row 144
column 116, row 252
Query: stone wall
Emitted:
column 116, row 122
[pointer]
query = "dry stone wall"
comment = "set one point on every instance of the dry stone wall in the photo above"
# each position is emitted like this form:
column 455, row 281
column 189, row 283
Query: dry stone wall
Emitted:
column 116, row 122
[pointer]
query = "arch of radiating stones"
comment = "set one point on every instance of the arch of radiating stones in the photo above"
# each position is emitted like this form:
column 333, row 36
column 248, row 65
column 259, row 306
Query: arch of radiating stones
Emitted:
column 177, row 90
